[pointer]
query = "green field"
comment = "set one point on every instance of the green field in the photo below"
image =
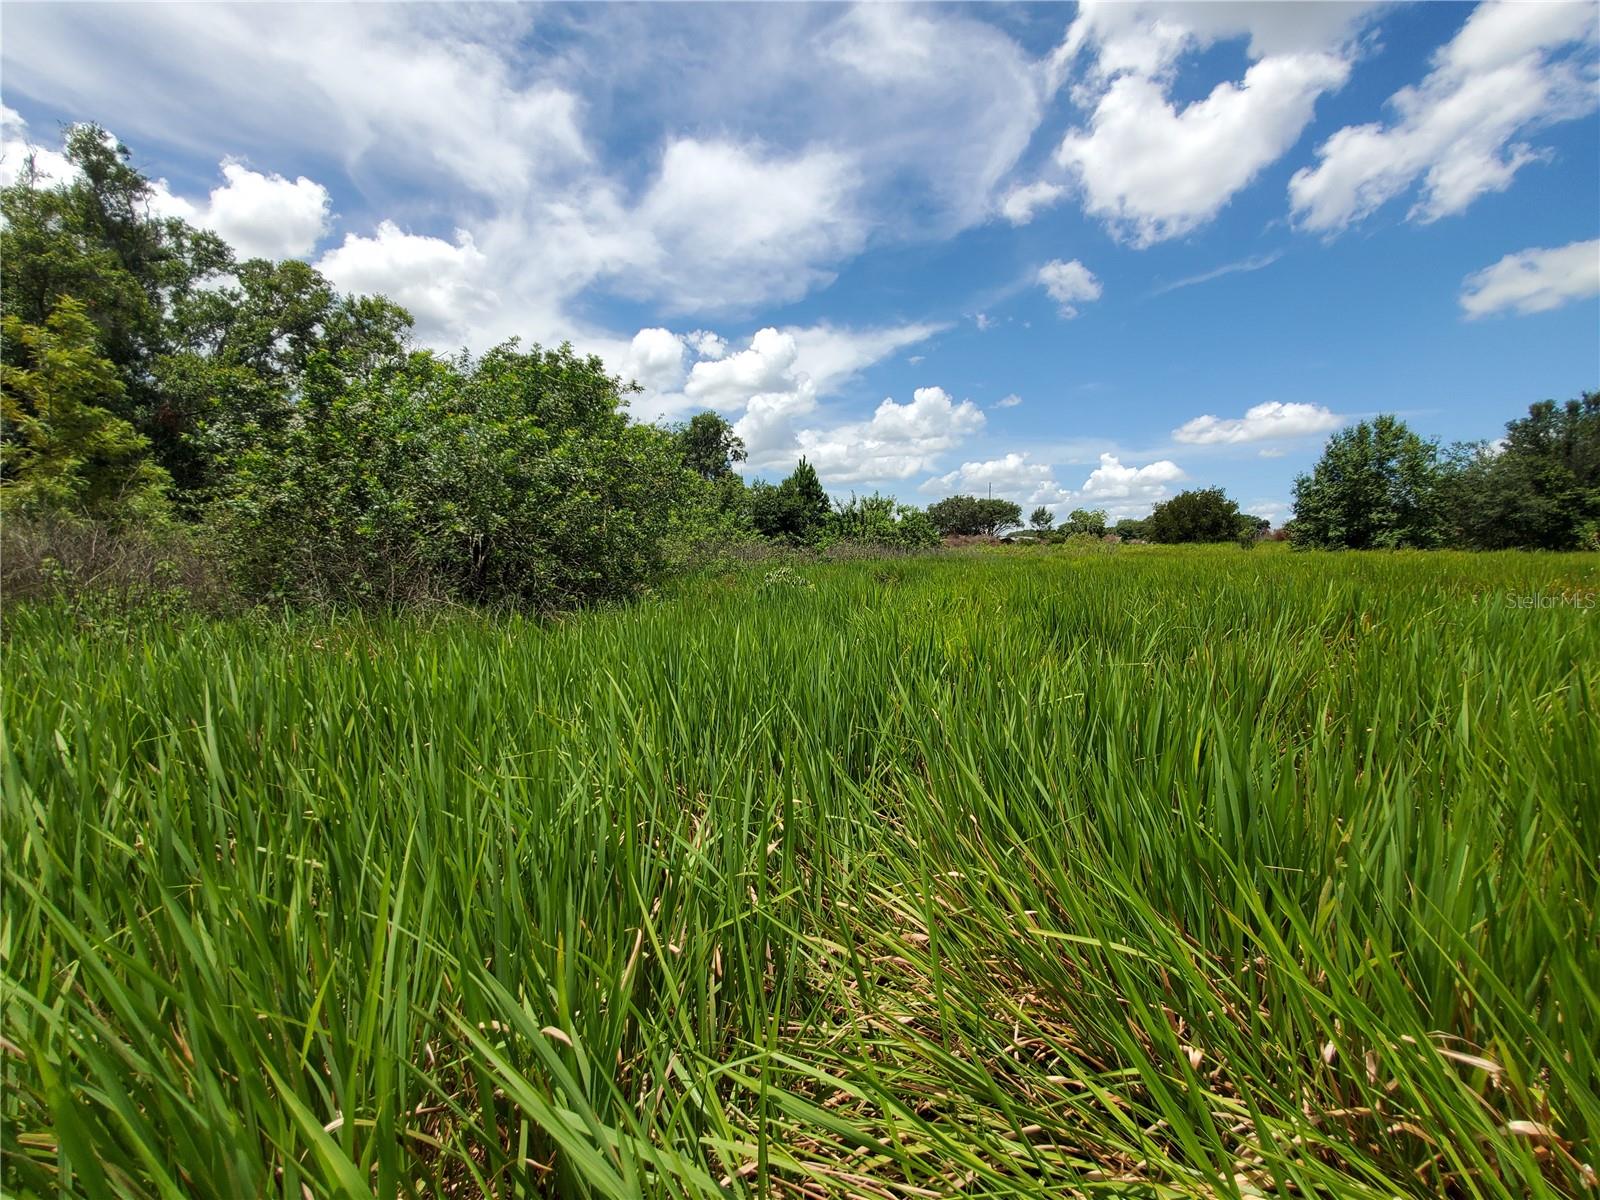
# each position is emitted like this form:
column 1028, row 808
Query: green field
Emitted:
column 1141, row 872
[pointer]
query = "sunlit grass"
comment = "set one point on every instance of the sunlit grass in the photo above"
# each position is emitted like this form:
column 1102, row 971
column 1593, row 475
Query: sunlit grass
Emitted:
column 1155, row 872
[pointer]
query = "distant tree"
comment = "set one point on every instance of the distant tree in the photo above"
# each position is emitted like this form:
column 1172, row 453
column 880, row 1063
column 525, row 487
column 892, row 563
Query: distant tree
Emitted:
column 1197, row 515
column 1130, row 529
column 793, row 511
column 64, row 448
column 1377, row 486
column 1088, row 521
column 970, row 516
column 1538, row 488
column 1041, row 519
column 709, row 445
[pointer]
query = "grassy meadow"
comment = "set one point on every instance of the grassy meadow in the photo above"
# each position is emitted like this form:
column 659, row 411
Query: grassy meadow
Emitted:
column 1137, row 872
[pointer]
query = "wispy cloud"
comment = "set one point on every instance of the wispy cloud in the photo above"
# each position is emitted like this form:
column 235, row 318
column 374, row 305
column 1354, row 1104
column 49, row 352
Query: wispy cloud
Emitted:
column 1254, row 263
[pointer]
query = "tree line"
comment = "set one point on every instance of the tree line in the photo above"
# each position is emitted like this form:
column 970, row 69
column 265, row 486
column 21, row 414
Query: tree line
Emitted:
column 247, row 410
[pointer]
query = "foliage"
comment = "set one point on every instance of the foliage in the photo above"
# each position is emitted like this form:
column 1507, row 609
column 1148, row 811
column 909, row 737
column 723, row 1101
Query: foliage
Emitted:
column 1089, row 521
column 93, row 238
column 709, row 446
column 972, row 875
column 1377, row 486
column 1539, row 488
column 207, row 351
column 64, row 449
column 1196, row 515
column 1130, row 529
column 1041, row 519
column 513, row 478
column 880, row 521
column 794, row 511
column 957, row 516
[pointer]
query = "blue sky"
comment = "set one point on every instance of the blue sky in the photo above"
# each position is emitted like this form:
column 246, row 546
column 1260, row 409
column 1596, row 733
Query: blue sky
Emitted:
column 1084, row 255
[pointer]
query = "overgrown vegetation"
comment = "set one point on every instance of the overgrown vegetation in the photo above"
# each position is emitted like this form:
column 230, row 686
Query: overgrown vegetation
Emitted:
column 1161, row 872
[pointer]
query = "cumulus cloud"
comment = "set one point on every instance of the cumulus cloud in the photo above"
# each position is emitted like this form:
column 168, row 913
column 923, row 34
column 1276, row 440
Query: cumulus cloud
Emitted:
column 1458, row 131
column 1069, row 283
column 1262, row 422
column 899, row 440
column 16, row 149
column 832, row 355
column 654, row 360
column 1534, row 280
column 1111, row 480
column 444, row 285
column 1120, row 490
column 707, row 344
column 260, row 215
column 1021, row 203
column 1013, row 476
column 1153, row 169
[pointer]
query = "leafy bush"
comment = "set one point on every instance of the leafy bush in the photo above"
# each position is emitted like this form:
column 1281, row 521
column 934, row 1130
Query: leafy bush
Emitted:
column 879, row 520
column 515, row 478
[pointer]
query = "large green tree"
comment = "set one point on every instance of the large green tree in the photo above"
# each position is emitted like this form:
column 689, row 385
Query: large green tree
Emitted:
column 1539, row 487
column 1378, row 485
column 209, row 352
column 1196, row 515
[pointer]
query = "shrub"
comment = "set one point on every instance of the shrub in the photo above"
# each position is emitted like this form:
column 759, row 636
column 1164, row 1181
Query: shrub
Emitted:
column 60, row 557
column 513, row 479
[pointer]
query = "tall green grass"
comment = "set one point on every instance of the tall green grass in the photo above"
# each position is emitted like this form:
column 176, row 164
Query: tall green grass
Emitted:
column 1153, row 873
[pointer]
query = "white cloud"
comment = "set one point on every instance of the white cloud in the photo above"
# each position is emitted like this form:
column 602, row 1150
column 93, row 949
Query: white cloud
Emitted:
column 899, row 440
column 983, row 322
column 832, row 355
column 1021, row 203
column 1113, row 481
column 1534, row 280
column 15, row 149
column 1069, row 283
column 1012, row 477
column 655, row 360
column 732, row 226
column 1262, row 422
column 1119, row 490
column 444, row 285
column 1007, row 401
column 1255, row 262
column 1153, row 170
column 1501, row 77
column 706, row 344
column 261, row 216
